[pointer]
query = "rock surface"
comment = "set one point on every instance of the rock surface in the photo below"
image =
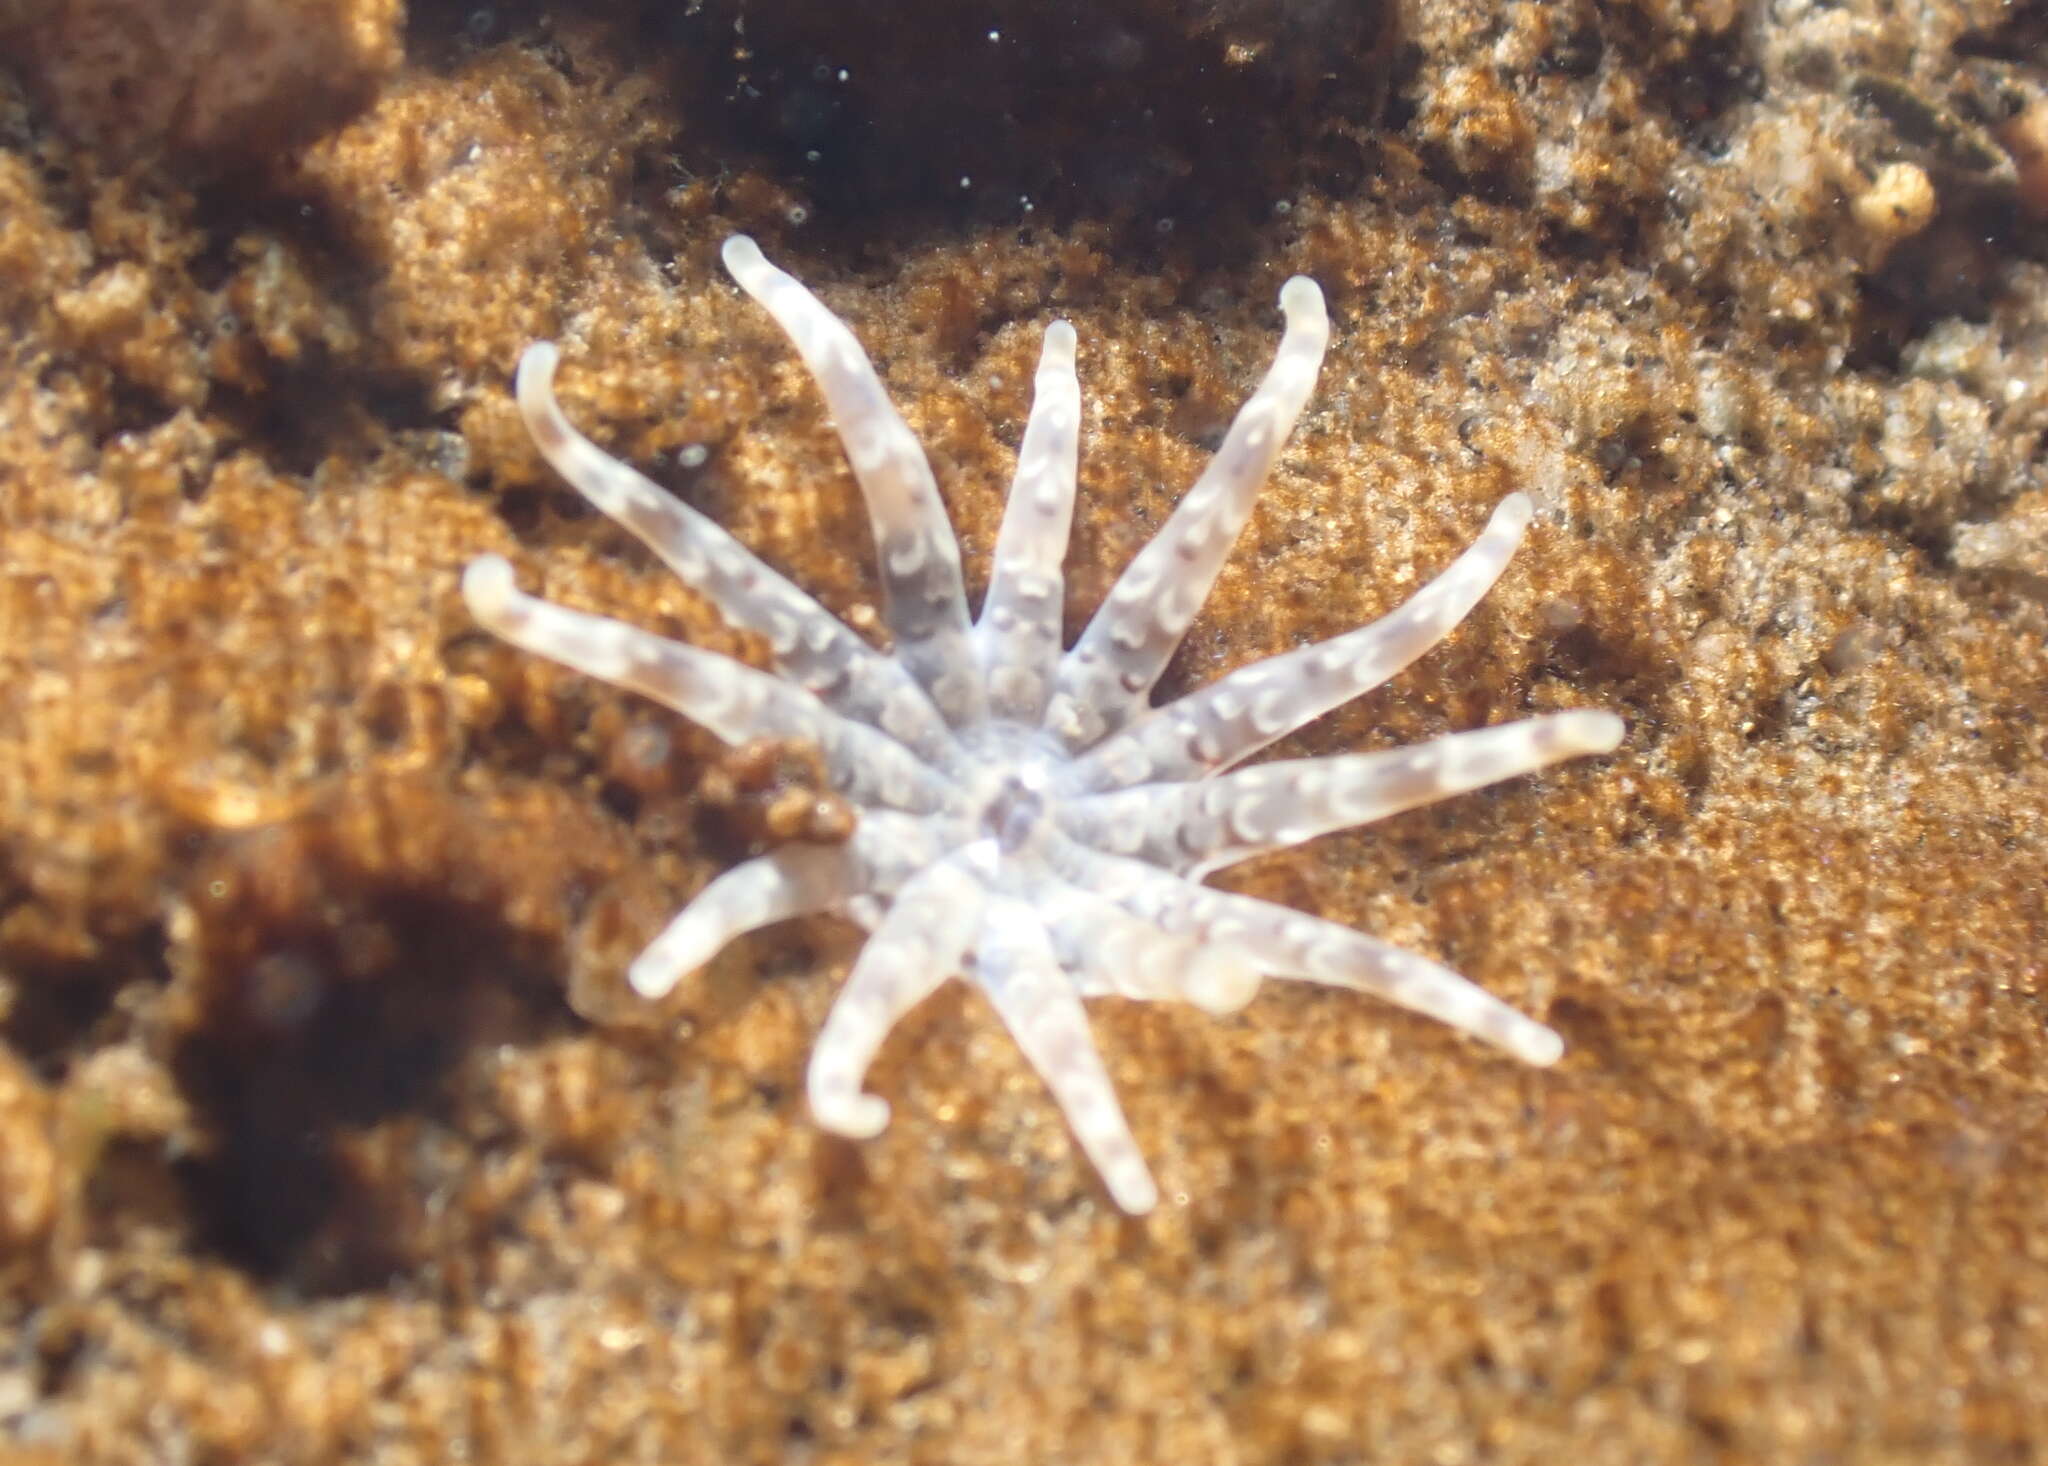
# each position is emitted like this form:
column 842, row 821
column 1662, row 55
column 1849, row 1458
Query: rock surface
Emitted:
column 328, row 1129
column 207, row 81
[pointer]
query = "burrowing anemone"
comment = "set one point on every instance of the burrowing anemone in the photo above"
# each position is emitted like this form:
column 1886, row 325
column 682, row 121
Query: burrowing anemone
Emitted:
column 1027, row 819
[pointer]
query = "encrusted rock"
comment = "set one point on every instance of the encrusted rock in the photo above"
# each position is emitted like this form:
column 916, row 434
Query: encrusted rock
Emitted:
column 220, row 79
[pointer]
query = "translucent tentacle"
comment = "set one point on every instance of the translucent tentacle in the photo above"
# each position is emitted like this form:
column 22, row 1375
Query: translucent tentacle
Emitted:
column 1288, row 943
column 1018, row 969
column 924, row 601
column 1236, row 716
column 1109, row 952
column 1202, row 827
column 795, row 880
column 734, row 702
column 808, row 641
column 1104, row 681
column 1018, row 635
column 918, row 945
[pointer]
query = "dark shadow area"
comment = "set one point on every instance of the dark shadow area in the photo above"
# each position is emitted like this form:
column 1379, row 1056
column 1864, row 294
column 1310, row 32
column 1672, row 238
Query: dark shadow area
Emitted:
column 2019, row 36
column 1695, row 76
column 320, row 1007
column 310, row 406
column 63, row 997
column 1188, row 120
column 1958, row 267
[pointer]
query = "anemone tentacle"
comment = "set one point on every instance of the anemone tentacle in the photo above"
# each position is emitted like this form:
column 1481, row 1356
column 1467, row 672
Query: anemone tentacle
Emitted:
column 817, row 650
column 1018, row 632
column 884, row 852
column 729, row 698
column 1199, row 828
column 924, row 601
column 928, row 931
column 1104, row 681
column 1218, row 726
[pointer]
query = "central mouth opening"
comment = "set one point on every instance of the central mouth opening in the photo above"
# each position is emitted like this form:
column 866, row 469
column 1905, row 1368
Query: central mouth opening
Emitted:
column 1013, row 815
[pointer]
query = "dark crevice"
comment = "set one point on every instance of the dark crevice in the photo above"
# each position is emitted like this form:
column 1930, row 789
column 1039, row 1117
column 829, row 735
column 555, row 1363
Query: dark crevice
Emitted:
column 1019, row 112
column 2020, row 36
column 317, row 410
column 322, row 1009
column 1959, row 267
column 1694, row 76
column 64, row 1005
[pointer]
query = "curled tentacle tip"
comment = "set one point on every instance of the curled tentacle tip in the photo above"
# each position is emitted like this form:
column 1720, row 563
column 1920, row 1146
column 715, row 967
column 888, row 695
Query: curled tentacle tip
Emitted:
column 534, row 386
column 534, row 382
column 650, row 981
column 487, row 586
column 1302, row 301
column 857, row 1117
column 1515, row 511
column 743, row 257
column 1301, row 293
column 1221, row 983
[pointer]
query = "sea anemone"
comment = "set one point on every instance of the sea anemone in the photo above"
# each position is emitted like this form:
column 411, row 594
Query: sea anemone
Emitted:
column 1028, row 819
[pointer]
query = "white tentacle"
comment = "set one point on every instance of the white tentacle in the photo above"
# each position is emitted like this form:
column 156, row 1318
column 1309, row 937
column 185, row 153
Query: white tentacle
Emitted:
column 924, row 600
column 1203, row 827
column 1233, row 718
column 796, row 880
column 1021, row 975
column 1288, row 943
column 733, row 701
column 1018, row 635
column 809, row 643
column 1104, row 681
column 917, row 946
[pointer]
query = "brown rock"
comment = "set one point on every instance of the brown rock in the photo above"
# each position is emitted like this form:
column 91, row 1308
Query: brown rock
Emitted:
column 30, row 1167
column 221, row 80
column 328, row 1129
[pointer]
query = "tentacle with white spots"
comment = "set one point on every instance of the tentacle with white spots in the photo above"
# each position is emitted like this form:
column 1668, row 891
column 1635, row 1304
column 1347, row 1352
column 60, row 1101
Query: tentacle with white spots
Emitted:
column 1104, row 681
column 1018, row 635
column 921, row 942
column 809, row 642
column 1109, row 952
column 1290, row 944
column 1236, row 716
column 1201, row 827
column 733, row 701
column 924, row 601
column 796, row 880
column 1016, row 966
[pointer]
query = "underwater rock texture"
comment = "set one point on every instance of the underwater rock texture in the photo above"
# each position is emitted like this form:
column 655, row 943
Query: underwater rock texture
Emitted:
column 328, row 1127
column 208, row 81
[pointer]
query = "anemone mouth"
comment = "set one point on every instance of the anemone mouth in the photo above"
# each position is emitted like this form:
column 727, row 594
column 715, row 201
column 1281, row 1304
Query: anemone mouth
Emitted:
column 1014, row 814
